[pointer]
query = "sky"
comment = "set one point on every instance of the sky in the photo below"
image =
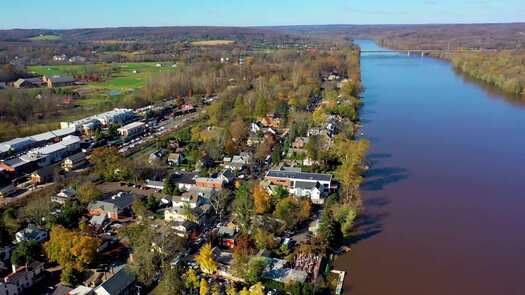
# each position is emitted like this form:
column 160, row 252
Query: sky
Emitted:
column 65, row 14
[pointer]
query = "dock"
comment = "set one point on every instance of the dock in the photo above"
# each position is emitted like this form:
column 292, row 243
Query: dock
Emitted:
column 341, row 278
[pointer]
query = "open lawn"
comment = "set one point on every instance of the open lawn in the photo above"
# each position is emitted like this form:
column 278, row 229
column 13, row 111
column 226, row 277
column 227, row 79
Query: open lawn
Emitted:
column 46, row 38
column 123, row 77
column 212, row 42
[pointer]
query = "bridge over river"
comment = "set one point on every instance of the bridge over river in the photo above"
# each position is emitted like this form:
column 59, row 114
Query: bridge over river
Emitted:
column 421, row 52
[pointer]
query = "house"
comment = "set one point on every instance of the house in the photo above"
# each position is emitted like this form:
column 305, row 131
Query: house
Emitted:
column 132, row 130
column 237, row 162
column 58, row 81
column 122, row 282
column 28, row 83
column 187, row 199
column 114, row 207
column 81, row 290
column 25, row 277
column 175, row 159
column 183, row 180
column 255, row 127
column 227, row 176
column 31, row 233
column 277, row 270
column 97, row 222
column 208, row 182
column 300, row 142
column 203, row 192
column 64, row 196
column 60, row 58
column 6, row 191
column 270, row 120
column 18, row 165
column 183, row 228
column 62, row 289
column 43, row 175
column 154, row 184
column 77, row 59
column 115, row 117
column 155, row 157
column 302, row 184
column 174, row 213
column 226, row 236
column 74, row 162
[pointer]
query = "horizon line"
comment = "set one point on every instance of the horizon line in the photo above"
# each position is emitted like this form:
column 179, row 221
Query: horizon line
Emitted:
column 269, row 26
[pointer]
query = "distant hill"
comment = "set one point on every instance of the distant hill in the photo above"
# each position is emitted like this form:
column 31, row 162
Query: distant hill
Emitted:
column 487, row 36
column 134, row 33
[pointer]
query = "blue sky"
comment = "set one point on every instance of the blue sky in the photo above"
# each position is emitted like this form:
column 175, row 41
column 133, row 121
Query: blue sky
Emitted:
column 60, row 14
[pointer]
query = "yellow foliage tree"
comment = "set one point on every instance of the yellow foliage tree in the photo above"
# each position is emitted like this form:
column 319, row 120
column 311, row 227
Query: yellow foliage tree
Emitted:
column 257, row 289
column 70, row 249
column 205, row 260
column 262, row 200
column 204, row 288
column 244, row 291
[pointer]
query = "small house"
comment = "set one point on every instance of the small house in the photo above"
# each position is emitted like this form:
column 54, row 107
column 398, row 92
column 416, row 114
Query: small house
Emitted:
column 114, row 207
column 120, row 283
column 183, row 180
column 208, row 182
column 74, row 162
column 64, row 196
column 28, row 83
column 31, row 233
column 58, row 81
column 43, row 175
column 175, row 159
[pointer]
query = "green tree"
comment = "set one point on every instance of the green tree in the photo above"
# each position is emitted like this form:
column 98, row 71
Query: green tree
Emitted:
column 88, row 192
column 243, row 207
column 25, row 252
column 171, row 283
column 191, row 280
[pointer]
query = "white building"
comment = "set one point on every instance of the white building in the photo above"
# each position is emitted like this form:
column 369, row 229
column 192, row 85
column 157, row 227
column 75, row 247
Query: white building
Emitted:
column 132, row 130
column 31, row 233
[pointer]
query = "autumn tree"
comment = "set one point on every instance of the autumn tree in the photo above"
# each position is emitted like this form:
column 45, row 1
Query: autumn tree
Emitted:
column 109, row 164
column 205, row 260
column 349, row 173
column 257, row 289
column 88, row 192
column 203, row 287
column 70, row 249
column 262, row 199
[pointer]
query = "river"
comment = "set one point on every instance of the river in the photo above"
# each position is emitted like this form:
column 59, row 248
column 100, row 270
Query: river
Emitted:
column 445, row 195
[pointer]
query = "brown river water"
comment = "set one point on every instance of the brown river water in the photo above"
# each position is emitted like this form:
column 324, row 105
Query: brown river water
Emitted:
column 445, row 195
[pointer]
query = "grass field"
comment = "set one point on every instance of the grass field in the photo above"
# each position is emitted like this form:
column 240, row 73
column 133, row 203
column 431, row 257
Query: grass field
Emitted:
column 46, row 38
column 124, row 76
column 212, row 42
column 124, row 80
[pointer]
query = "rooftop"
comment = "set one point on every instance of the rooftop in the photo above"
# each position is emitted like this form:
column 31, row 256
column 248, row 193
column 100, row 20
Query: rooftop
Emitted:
column 299, row 175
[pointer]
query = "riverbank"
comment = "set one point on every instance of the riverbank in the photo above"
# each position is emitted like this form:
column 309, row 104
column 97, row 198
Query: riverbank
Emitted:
column 504, row 69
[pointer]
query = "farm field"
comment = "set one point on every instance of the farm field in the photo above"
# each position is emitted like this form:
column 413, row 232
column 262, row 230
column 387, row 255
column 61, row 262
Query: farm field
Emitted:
column 46, row 38
column 212, row 42
column 122, row 79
